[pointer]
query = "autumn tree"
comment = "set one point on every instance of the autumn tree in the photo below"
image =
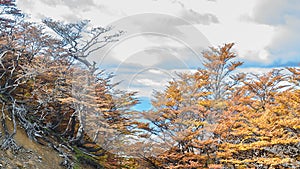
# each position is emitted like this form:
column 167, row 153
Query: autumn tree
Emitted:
column 186, row 113
column 11, row 57
column 214, row 118
column 50, row 88
column 220, row 62
column 263, row 131
column 211, row 118
column 82, row 40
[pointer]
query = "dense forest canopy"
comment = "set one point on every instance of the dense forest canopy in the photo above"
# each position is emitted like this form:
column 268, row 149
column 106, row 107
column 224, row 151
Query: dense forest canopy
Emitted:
column 215, row 117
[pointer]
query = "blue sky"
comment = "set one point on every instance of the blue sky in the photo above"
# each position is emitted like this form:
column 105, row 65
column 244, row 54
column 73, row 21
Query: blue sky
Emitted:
column 167, row 36
column 144, row 105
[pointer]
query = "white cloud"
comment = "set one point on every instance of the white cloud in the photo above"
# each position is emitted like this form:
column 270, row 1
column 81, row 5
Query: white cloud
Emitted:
column 127, row 49
column 194, row 17
column 255, row 70
column 283, row 15
column 263, row 54
column 235, row 27
column 275, row 12
column 155, row 71
column 264, row 31
column 249, row 37
column 149, row 82
column 39, row 10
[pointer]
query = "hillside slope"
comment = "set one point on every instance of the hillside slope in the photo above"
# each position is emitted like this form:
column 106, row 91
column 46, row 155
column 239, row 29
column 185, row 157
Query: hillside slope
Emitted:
column 31, row 155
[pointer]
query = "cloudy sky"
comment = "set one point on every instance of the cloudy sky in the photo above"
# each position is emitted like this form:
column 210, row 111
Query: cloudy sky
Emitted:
column 167, row 36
